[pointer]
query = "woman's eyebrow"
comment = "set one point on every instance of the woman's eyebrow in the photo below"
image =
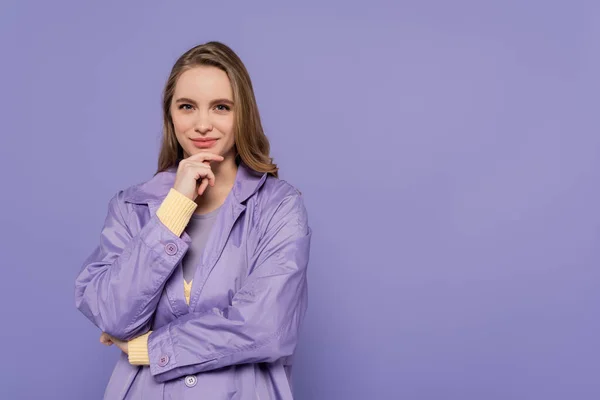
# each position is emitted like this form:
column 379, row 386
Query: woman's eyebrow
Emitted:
column 185, row 100
column 216, row 101
column 226, row 101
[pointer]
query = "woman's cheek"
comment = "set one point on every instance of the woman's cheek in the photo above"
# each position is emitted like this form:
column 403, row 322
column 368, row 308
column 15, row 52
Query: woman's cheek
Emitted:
column 226, row 125
column 181, row 123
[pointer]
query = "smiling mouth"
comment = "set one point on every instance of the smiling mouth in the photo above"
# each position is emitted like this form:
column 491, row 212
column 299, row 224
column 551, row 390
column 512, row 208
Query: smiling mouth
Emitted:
column 204, row 143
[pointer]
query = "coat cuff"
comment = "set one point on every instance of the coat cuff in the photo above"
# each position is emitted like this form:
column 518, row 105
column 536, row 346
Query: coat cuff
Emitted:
column 176, row 211
column 138, row 350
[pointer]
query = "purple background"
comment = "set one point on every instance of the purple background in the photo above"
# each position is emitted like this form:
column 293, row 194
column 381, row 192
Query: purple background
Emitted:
column 449, row 156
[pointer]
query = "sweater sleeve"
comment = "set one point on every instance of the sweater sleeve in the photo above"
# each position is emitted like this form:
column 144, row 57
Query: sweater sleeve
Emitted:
column 176, row 211
column 138, row 350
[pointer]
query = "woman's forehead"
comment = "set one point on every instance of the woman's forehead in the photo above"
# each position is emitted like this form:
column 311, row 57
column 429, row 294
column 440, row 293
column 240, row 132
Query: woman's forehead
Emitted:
column 203, row 81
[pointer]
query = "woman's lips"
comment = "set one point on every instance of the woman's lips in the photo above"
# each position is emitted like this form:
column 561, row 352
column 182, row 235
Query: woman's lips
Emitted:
column 204, row 143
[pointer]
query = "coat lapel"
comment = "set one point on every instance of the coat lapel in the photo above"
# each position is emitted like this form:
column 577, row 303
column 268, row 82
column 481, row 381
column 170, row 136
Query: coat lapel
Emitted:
column 153, row 192
column 246, row 184
column 229, row 214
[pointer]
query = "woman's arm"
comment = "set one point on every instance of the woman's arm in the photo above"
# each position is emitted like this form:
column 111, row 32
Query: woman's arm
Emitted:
column 262, row 323
column 121, row 282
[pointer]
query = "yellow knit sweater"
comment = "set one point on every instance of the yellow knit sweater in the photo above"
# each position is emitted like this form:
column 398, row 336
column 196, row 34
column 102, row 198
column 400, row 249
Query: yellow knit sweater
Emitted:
column 175, row 213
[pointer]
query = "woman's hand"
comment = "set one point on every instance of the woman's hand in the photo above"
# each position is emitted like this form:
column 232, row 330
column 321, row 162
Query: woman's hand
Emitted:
column 194, row 174
column 108, row 340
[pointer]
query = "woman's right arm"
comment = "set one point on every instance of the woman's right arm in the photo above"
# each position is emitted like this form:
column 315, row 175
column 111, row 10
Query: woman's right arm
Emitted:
column 122, row 280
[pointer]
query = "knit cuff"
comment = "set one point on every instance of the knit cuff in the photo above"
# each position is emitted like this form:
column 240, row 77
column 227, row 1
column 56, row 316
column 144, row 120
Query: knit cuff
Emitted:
column 176, row 211
column 138, row 350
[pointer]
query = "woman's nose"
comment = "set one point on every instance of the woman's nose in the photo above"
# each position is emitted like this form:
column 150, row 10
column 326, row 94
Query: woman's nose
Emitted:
column 203, row 123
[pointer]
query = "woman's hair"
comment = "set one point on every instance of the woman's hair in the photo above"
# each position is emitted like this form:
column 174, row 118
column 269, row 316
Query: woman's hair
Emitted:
column 251, row 144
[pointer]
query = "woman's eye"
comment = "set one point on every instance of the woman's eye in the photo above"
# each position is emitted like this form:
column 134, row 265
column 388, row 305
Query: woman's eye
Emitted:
column 222, row 107
column 185, row 107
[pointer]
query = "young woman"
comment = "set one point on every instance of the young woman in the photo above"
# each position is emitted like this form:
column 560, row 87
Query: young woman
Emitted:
column 200, row 273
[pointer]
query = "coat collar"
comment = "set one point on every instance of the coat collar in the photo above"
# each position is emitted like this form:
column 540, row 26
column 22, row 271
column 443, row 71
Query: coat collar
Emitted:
column 153, row 191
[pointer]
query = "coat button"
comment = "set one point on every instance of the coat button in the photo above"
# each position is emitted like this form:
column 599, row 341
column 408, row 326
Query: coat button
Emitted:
column 171, row 248
column 163, row 360
column 190, row 381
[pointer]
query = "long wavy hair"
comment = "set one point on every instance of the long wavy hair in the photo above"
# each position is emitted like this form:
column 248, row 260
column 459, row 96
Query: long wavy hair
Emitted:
column 251, row 144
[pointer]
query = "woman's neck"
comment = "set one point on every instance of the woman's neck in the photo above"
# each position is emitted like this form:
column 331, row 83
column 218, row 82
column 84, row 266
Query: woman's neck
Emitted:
column 214, row 196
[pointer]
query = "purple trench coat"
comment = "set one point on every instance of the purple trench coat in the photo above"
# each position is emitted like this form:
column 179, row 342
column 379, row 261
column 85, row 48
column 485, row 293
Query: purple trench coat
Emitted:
column 237, row 337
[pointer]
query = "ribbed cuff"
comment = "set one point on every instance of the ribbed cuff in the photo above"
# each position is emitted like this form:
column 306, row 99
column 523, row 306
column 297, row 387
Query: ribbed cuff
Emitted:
column 176, row 211
column 138, row 350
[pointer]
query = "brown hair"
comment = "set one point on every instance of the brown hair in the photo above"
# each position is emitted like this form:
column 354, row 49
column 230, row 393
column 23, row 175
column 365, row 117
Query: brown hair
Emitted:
column 251, row 144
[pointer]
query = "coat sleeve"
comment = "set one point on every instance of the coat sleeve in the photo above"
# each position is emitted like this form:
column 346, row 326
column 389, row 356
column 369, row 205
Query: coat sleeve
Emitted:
column 262, row 323
column 120, row 283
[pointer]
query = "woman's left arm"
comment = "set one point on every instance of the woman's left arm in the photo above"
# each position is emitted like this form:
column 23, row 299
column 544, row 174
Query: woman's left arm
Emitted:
column 262, row 323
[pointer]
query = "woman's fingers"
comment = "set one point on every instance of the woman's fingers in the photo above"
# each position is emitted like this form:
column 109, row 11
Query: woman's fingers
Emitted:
column 105, row 339
column 191, row 175
column 203, row 171
column 205, row 156
column 203, row 186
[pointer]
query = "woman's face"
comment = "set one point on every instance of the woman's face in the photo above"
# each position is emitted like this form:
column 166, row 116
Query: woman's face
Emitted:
column 202, row 110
